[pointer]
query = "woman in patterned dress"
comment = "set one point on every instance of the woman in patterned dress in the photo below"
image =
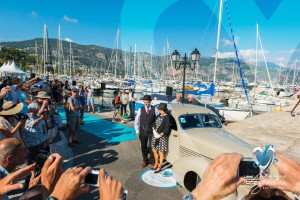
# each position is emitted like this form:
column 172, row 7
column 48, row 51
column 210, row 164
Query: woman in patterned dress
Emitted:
column 160, row 139
column 34, row 135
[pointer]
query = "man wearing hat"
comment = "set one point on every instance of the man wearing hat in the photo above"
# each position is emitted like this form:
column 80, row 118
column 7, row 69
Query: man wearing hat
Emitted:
column 143, row 124
column 74, row 116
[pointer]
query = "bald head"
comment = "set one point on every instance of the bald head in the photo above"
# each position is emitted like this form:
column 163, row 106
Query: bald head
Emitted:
column 178, row 96
column 12, row 153
column 190, row 97
column 8, row 147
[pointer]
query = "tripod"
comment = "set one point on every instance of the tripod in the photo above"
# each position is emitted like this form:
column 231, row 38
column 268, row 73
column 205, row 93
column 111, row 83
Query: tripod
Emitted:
column 102, row 101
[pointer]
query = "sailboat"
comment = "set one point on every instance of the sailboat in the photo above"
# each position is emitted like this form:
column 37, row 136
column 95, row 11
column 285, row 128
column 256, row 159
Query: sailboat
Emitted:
column 46, row 54
column 230, row 114
column 264, row 99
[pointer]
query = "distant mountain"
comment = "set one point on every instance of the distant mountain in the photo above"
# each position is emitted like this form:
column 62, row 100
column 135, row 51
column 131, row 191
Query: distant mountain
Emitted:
column 98, row 59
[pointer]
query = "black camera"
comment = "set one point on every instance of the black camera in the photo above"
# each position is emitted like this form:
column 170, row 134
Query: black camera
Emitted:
column 248, row 170
column 23, row 116
column 41, row 158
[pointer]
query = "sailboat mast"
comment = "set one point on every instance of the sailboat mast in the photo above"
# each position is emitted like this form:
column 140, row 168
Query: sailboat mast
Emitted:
column 295, row 65
column 44, row 50
column 218, row 38
column 125, row 65
column 265, row 60
column 255, row 73
column 134, row 61
column 37, row 58
column 70, row 59
column 116, row 63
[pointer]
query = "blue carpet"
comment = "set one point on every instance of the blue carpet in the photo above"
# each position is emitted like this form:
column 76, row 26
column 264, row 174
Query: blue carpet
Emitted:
column 104, row 129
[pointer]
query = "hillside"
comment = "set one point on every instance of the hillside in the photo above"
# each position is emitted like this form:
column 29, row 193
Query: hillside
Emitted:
column 95, row 59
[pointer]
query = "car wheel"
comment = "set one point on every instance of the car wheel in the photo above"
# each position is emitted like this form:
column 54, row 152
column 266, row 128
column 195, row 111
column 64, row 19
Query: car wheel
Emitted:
column 191, row 180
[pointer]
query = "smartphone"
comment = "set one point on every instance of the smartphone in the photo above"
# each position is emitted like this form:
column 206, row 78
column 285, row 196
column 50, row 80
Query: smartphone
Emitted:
column 92, row 178
column 125, row 194
column 248, row 170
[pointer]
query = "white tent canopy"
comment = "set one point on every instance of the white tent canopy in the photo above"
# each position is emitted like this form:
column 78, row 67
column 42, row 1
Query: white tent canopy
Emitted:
column 11, row 68
column 4, row 64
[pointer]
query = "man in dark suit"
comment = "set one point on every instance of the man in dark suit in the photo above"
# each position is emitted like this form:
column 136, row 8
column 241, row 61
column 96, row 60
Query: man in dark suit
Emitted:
column 143, row 124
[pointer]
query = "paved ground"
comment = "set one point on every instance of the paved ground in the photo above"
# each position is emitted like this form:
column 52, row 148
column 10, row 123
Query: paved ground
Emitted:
column 122, row 160
column 277, row 128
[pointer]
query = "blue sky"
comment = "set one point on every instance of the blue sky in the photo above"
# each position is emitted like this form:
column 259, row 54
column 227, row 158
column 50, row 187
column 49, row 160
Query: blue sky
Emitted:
column 183, row 24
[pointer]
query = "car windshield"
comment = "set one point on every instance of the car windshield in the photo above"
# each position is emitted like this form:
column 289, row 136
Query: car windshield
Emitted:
column 197, row 120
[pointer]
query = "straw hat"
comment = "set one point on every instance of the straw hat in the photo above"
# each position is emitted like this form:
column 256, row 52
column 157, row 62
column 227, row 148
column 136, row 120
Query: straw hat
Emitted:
column 9, row 108
column 42, row 95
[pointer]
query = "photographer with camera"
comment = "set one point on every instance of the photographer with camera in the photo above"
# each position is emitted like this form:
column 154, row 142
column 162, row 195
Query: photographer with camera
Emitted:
column 34, row 135
column 15, row 90
column 24, row 97
column 42, row 98
column 9, row 125
column 5, row 91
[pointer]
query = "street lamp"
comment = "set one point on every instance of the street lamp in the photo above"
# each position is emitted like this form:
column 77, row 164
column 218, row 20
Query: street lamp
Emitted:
column 184, row 63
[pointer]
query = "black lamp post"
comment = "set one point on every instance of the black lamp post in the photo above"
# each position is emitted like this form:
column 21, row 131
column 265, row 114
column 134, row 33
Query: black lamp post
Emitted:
column 184, row 63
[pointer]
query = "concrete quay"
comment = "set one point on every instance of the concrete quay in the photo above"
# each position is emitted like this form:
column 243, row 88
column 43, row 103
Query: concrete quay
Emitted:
column 277, row 128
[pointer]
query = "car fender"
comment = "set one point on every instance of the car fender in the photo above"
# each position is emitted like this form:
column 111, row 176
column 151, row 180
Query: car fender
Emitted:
column 184, row 165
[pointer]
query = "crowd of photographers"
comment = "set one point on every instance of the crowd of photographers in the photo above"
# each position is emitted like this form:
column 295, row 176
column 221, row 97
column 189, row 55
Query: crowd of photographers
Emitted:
column 29, row 122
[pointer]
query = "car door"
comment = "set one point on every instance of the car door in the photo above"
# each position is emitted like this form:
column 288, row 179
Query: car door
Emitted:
column 173, row 153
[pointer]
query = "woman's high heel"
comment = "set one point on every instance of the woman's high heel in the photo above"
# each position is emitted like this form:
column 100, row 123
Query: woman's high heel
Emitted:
column 158, row 170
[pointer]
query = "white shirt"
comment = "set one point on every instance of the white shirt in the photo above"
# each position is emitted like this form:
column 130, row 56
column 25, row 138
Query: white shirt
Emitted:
column 132, row 97
column 124, row 98
column 175, row 101
column 137, row 118
column 90, row 94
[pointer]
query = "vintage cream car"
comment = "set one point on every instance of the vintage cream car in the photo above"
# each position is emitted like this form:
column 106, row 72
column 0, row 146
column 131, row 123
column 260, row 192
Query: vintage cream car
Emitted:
column 198, row 140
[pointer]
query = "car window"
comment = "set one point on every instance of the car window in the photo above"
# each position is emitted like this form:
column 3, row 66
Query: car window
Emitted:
column 196, row 120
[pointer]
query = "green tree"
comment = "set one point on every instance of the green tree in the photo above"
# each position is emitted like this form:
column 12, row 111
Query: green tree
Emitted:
column 21, row 58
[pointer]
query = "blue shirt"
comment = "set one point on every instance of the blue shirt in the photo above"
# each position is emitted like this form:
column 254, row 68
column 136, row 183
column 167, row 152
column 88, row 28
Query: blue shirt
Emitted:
column 34, row 135
column 75, row 102
column 3, row 173
column 25, row 107
column 82, row 97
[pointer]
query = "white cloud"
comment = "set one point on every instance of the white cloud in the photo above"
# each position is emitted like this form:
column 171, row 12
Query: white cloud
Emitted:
column 229, row 43
column 33, row 14
column 291, row 51
column 71, row 20
column 68, row 40
column 281, row 61
column 245, row 54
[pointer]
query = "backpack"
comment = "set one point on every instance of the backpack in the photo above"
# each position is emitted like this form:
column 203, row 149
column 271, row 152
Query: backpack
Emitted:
column 67, row 106
column 113, row 102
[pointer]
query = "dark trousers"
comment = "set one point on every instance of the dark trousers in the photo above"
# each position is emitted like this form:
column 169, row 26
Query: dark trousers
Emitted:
column 131, row 108
column 123, row 107
column 146, row 147
column 33, row 151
